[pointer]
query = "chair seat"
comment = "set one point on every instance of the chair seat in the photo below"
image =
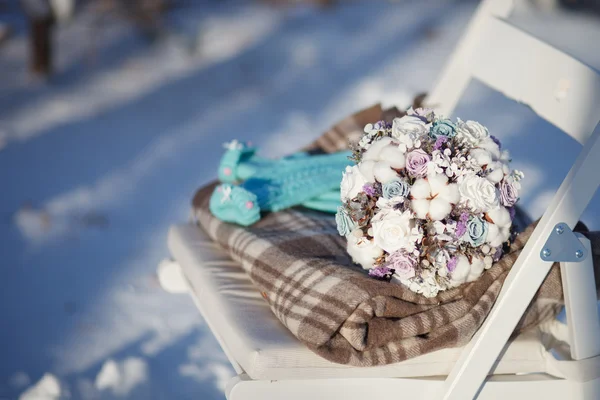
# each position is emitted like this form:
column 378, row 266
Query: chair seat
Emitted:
column 255, row 340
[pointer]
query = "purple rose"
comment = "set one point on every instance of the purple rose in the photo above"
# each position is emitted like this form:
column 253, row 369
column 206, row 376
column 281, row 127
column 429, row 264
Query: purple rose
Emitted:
column 508, row 194
column 416, row 163
column 402, row 263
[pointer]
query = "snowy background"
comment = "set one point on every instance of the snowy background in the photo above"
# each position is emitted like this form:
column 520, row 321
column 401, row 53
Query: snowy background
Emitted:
column 98, row 161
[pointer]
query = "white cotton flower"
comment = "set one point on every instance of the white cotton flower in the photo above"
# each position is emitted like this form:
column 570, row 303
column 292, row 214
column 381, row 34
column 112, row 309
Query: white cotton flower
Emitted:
column 479, row 194
column 495, row 172
column 375, row 149
column 499, row 227
column 362, row 250
column 381, row 160
column 481, row 156
column 477, row 267
column 393, row 155
column 352, row 183
column 491, row 146
column 394, row 230
column 433, row 197
column 366, row 169
column 466, row 271
column 460, row 273
column 384, row 173
column 471, row 132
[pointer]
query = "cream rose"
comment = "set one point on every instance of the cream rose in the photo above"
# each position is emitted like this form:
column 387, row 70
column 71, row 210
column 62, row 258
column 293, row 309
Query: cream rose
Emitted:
column 471, row 132
column 393, row 230
column 479, row 194
column 362, row 250
column 352, row 183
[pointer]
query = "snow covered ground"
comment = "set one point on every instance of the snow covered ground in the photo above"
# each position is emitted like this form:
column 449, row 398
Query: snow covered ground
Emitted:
column 96, row 163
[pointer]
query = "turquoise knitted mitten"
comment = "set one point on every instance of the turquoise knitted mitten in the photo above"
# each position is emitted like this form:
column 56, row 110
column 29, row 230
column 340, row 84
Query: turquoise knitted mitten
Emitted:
column 273, row 185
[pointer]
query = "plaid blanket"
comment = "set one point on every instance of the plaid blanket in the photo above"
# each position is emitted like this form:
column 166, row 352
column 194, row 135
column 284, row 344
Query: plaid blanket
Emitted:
column 299, row 263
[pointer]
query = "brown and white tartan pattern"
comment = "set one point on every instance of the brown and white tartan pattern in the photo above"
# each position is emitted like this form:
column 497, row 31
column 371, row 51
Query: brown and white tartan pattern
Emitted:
column 299, row 263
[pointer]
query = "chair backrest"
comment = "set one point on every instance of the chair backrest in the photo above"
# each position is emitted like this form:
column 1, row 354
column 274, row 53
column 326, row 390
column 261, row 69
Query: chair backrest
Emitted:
column 559, row 88
column 564, row 92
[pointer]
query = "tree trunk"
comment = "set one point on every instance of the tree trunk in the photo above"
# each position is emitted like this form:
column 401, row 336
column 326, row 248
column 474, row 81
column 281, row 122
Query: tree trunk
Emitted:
column 40, row 36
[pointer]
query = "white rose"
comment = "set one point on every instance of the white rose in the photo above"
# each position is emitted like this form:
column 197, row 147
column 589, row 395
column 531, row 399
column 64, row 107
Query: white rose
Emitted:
column 409, row 125
column 471, row 132
column 408, row 130
column 478, row 193
column 393, row 230
column 362, row 250
column 352, row 183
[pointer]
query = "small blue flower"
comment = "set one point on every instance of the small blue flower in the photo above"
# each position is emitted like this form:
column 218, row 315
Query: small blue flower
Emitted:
column 395, row 189
column 345, row 224
column 477, row 230
column 443, row 127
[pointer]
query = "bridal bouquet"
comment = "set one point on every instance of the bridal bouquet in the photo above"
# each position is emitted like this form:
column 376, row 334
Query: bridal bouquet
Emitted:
column 429, row 202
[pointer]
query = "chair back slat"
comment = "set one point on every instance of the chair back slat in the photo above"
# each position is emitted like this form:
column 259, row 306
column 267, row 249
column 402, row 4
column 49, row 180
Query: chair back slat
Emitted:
column 559, row 88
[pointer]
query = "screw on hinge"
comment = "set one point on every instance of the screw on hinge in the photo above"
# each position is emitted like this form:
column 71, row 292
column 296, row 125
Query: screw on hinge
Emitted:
column 560, row 229
column 546, row 252
column 579, row 254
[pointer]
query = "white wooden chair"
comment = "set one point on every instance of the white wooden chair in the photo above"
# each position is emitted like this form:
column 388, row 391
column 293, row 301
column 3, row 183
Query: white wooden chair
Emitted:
column 272, row 364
